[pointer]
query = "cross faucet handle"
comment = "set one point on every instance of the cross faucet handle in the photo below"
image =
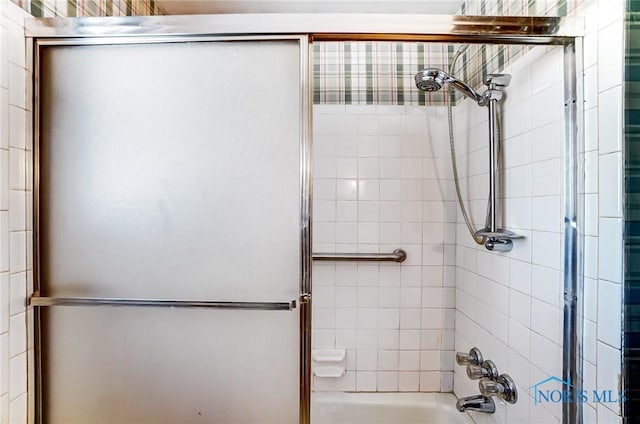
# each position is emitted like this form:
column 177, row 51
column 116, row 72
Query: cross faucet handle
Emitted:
column 474, row 357
column 486, row 370
column 504, row 387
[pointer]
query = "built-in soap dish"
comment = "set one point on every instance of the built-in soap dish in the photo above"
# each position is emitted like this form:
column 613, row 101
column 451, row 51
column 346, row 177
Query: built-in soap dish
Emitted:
column 328, row 363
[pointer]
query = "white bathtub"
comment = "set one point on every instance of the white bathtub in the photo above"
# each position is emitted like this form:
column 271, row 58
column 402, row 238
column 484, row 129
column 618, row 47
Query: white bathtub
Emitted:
column 387, row 408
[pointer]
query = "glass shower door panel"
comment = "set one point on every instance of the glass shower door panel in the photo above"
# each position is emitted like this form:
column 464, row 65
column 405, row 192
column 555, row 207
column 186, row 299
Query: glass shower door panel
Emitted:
column 170, row 171
column 108, row 365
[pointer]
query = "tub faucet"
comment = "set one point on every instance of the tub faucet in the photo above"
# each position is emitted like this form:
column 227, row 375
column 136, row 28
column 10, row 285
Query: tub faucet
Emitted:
column 477, row 403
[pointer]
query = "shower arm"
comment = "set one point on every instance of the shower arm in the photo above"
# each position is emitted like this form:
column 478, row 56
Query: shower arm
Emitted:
column 466, row 89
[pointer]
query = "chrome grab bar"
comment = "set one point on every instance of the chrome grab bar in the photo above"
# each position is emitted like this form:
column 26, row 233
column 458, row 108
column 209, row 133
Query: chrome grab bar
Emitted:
column 398, row 255
column 43, row 301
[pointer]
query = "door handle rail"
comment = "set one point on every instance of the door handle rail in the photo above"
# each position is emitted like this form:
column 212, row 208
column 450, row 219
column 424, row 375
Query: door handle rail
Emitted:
column 398, row 255
column 44, row 301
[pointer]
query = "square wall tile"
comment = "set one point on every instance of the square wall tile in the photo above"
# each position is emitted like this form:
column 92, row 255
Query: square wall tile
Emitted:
column 548, row 106
column 608, row 370
column 17, row 376
column 606, row 414
column 590, row 342
column 344, row 167
column 430, row 381
column 4, row 48
column 520, row 276
column 610, row 250
column 609, row 12
column 17, row 334
column 591, row 164
column 591, row 129
column 408, row 381
column 547, row 178
column 17, row 127
column 5, row 302
column 547, row 215
column 4, row 116
column 591, row 215
column 17, row 86
column 18, row 409
column 547, row 142
column 520, row 307
column 4, row 363
column 591, row 86
column 18, row 292
column 325, row 167
column 388, row 381
column 17, row 169
column 610, row 55
column 4, row 179
column 4, row 241
column 610, row 120
column 366, row 381
column 546, row 285
column 610, row 191
column 17, row 210
column 610, row 313
column 590, row 299
column 546, row 320
column 519, row 338
column 591, row 257
column 546, row 249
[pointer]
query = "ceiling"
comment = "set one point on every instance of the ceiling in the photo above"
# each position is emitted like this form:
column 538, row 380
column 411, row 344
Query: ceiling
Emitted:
column 190, row 7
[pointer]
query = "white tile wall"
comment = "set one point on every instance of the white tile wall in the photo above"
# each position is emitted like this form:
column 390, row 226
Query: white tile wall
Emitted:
column 382, row 181
column 605, row 288
column 531, row 347
column 15, row 120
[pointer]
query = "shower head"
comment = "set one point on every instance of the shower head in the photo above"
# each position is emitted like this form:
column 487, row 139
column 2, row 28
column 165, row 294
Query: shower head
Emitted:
column 432, row 79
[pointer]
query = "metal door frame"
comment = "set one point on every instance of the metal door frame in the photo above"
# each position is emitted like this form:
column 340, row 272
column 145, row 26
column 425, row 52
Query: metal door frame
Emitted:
column 565, row 31
column 36, row 301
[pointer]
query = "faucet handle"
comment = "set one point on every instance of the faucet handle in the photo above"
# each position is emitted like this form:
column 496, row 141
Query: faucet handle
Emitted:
column 504, row 387
column 491, row 388
column 487, row 370
column 474, row 357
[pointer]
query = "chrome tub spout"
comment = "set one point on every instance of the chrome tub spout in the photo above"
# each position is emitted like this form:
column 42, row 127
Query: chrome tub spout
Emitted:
column 477, row 403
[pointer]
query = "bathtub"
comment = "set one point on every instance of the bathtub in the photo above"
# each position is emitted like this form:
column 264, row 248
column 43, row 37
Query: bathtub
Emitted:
column 387, row 408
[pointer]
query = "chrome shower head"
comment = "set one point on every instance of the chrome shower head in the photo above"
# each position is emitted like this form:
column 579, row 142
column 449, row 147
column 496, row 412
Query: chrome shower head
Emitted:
column 432, row 79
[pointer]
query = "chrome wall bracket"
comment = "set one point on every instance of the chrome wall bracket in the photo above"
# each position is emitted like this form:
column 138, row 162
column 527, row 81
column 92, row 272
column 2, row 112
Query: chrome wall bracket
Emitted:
column 305, row 298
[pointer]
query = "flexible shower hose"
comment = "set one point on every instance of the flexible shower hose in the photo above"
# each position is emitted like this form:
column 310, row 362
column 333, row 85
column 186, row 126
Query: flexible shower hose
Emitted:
column 454, row 166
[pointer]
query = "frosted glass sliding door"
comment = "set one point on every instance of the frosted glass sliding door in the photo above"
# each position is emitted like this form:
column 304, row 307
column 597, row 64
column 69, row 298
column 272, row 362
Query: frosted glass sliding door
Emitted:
column 170, row 172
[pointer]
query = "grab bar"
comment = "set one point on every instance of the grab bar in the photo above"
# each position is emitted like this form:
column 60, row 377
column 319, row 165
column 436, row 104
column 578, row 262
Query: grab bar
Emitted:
column 398, row 255
column 43, row 301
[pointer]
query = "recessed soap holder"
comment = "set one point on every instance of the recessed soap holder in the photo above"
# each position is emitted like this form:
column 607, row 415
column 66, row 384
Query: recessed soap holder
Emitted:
column 329, row 363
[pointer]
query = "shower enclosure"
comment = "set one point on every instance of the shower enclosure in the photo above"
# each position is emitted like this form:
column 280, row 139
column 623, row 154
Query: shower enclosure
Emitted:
column 172, row 228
